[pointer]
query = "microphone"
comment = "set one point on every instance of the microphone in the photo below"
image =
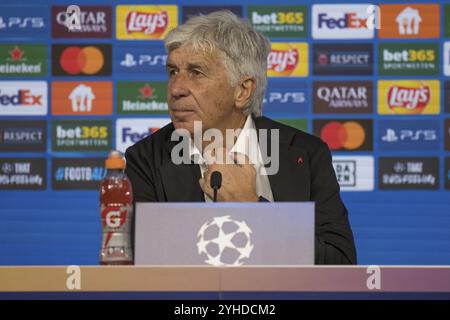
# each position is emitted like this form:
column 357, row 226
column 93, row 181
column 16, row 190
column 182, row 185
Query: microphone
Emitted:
column 216, row 183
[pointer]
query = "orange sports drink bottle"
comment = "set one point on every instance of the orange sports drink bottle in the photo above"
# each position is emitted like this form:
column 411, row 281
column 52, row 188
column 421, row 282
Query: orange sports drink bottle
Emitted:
column 116, row 210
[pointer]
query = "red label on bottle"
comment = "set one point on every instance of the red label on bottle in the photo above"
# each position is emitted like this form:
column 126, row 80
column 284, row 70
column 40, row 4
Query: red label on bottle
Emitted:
column 116, row 220
column 114, row 217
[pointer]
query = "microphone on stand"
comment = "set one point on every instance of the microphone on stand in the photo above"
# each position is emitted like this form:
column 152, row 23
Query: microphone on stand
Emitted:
column 216, row 183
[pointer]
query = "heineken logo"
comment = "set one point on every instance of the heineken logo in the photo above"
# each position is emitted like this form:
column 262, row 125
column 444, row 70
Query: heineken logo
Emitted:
column 16, row 54
column 142, row 97
column 23, row 60
column 147, row 92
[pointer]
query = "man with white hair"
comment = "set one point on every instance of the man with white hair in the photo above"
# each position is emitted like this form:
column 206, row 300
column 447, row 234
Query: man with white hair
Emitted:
column 217, row 78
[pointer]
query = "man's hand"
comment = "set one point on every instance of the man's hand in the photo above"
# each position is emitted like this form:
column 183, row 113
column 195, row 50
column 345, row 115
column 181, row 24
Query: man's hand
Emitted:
column 238, row 179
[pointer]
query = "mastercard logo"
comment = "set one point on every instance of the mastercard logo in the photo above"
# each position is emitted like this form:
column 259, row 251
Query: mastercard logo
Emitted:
column 81, row 60
column 75, row 60
column 348, row 135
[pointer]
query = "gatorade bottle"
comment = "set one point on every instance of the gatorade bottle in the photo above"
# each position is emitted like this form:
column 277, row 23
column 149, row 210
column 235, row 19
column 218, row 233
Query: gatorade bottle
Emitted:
column 116, row 210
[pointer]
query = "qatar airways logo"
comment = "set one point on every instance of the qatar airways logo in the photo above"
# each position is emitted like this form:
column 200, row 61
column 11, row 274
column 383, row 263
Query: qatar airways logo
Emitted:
column 147, row 23
column 281, row 60
column 409, row 98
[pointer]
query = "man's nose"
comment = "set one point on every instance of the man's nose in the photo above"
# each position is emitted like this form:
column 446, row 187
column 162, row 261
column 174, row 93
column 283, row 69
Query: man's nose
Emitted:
column 178, row 86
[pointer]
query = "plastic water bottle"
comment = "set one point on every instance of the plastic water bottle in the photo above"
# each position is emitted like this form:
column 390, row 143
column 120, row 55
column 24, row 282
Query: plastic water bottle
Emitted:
column 116, row 210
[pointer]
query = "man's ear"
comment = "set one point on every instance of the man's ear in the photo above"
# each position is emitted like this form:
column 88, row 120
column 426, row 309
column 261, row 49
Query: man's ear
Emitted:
column 244, row 92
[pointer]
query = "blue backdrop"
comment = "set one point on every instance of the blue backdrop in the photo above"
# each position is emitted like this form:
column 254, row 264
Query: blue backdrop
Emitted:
column 58, row 227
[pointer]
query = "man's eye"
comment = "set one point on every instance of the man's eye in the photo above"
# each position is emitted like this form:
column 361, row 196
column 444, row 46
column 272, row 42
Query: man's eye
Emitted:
column 196, row 72
column 172, row 72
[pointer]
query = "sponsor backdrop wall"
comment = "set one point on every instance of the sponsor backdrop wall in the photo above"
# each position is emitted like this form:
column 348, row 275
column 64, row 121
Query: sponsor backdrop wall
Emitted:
column 379, row 98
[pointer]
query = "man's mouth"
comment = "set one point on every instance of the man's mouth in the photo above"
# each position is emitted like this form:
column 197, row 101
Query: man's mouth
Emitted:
column 181, row 111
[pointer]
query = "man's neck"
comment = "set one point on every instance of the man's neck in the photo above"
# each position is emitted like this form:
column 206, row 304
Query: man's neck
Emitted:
column 228, row 141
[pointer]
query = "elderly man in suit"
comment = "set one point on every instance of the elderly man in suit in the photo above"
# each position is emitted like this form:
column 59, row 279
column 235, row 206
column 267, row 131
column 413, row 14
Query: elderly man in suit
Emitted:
column 217, row 78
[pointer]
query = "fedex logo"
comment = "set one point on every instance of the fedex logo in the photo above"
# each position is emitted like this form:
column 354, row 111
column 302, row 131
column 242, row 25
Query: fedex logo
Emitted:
column 129, row 135
column 129, row 131
column 344, row 21
column 23, row 98
column 349, row 20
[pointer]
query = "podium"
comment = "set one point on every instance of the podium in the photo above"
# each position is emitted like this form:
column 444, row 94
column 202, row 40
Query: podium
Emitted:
column 256, row 282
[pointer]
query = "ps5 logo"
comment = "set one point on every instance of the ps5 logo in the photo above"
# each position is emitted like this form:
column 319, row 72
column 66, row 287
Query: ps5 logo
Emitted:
column 129, row 60
column 286, row 97
column 409, row 135
column 22, row 22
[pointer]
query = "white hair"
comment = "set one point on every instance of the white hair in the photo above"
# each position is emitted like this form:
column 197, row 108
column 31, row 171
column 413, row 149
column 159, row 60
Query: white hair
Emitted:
column 244, row 50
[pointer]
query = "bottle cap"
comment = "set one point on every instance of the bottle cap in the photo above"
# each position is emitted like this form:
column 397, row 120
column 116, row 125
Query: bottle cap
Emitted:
column 115, row 160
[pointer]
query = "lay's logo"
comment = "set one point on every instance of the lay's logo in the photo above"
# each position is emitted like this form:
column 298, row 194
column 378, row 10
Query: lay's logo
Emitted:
column 283, row 61
column 145, row 22
column 288, row 60
column 409, row 97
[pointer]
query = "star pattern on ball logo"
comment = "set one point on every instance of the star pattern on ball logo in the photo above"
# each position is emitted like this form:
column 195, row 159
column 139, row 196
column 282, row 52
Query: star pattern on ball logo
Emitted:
column 224, row 247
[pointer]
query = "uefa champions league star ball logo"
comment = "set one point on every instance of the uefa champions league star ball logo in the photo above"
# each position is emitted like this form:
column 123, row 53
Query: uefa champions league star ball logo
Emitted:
column 225, row 242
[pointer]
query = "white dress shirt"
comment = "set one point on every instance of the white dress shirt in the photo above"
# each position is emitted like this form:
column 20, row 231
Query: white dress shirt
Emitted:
column 246, row 143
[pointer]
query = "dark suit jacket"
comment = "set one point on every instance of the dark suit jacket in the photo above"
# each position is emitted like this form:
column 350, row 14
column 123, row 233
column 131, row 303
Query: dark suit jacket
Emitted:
column 156, row 179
